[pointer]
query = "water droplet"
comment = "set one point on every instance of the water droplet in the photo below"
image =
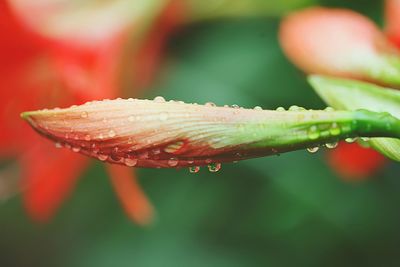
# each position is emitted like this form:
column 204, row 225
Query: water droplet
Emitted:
column 87, row 137
column 84, row 114
column 235, row 106
column 350, row 140
column 313, row 149
column 365, row 139
column 329, row 109
column 131, row 118
column 331, row 145
column 173, row 162
column 194, row 169
column 295, row 108
column 163, row 116
column 156, row 151
column 172, row 148
column 130, row 162
column 102, row 157
column 76, row 149
column 214, row 167
column 159, row 99
column 334, row 130
column 111, row 133
column 210, row 104
column 313, row 132
column 257, row 108
column 58, row 145
column 280, row 109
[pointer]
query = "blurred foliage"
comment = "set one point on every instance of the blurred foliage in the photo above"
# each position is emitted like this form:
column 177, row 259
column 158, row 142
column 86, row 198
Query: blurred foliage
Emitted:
column 279, row 211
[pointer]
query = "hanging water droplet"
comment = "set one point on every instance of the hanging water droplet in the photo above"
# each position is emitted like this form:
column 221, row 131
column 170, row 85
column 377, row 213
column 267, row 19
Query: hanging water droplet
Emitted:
column 130, row 162
column 84, row 114
column 173, row 162
column 111, row 133
column 210, row 104
column 257, row 108
column 159, row 99
column 313, row 149
column 87, row 137
column 214, row 167
column 194, row 169
column 102, row 157
column 163, row 116
column 334, row 130
column 350, row 139
column 58, row 145
column 280, row 109
column 76, row 149
column 313, row 132
column 331, row 145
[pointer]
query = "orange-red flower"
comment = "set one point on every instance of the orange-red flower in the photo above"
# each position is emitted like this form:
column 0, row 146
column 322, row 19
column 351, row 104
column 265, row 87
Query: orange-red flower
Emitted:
column 52, row 70
column 341, row 42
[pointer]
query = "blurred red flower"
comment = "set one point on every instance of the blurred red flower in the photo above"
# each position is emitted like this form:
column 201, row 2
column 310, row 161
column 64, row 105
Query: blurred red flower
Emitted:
column 341, row 42
column 40, row 70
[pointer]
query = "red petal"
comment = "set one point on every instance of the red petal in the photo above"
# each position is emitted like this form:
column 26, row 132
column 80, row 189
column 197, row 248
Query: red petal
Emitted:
column 134, row 201
column 49, row 176
column 354, row 162
column 392, row 11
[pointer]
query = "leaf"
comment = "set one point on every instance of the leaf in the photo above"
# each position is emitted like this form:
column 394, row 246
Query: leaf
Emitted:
column 160, row 134
column 351, row 95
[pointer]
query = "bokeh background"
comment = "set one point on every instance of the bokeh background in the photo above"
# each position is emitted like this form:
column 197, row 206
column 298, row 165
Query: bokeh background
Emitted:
column 291, row 210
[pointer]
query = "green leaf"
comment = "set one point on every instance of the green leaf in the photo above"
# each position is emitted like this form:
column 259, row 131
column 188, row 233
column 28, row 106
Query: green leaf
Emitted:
column 351, row 95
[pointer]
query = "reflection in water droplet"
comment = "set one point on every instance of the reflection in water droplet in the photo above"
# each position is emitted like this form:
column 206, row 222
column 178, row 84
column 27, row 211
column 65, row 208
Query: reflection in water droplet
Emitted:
column 58, row 145
column 111, row 133
column 159, row 99
column 194, row 169
column 173, row 162
column 130, row 162
column 214, row 167
column 313, row 149
column 331, row 145
column 313, row 132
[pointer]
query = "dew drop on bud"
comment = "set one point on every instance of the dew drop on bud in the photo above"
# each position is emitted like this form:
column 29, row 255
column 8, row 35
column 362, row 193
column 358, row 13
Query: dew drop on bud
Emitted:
column 159, row 99
column 173, row 162
column 313, row 132
column 210, row 104
column 111, row 133
column 214, row 167
column 331, row 145
column 58, row 145
column 194, row 169
column 130, row 162
column 102, row 157
column 163, row 116
column 313, row 149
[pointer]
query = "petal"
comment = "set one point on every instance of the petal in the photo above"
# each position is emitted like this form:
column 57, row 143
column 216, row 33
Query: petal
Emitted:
column 339, row 42
column 127, row 188
column 156, row 133
column 354, row 162
column 48, row 178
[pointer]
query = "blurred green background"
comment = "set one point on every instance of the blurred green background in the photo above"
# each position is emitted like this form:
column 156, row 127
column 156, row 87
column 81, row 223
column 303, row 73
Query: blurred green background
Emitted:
column 290, row 210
